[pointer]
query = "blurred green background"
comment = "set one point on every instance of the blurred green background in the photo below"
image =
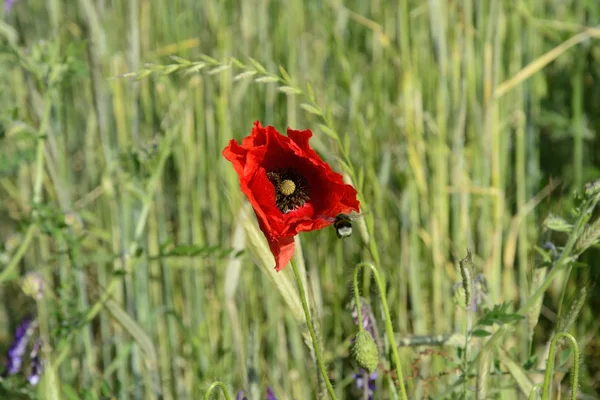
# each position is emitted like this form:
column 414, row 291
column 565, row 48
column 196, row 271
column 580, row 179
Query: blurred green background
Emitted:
column 463, row 124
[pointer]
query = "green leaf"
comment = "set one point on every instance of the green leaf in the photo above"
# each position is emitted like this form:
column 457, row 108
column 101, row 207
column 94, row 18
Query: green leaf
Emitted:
column 219, row 69
column 531, row 362
column 311, row 109
column 180, row 60
column 480, row 333
column 267, row 79
column 258, row 66
column 289, row 90
column 244, row 75
column 284, row 74
column 328, row 131
column 237, row 62
column 169, row 69
column 196, row 68
column 310, row 93
column 69, row 392
column 499, row 315
column 209, row 59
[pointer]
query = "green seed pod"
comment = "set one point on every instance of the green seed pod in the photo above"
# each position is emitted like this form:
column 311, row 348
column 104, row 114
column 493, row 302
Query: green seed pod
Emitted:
column 365, row 351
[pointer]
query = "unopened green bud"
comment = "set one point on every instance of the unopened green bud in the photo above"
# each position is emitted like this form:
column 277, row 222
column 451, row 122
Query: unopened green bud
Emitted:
column 365, row 351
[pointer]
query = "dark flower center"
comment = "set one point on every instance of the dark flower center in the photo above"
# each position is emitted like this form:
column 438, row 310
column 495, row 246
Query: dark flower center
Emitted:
column 291, row 188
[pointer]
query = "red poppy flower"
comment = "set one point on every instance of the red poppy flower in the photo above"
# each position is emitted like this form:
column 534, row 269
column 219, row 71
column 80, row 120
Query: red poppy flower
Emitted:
column 290, row 187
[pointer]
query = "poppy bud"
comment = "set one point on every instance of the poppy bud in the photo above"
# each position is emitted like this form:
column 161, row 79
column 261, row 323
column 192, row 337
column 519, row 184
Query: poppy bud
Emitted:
column 365, row 351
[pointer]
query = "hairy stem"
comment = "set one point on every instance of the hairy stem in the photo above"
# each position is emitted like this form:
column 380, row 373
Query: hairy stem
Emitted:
column 388, row 320
column 213, row 386
column 550, row 365
column 311, row 329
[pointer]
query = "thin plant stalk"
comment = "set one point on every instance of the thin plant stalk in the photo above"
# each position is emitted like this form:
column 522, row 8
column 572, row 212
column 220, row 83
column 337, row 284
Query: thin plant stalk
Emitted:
column 388, row 320
column 468, row 327
column 311, row 329
column 550, row 366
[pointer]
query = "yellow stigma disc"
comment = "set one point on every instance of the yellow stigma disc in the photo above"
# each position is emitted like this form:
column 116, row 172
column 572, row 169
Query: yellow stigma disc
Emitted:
column 287, row 187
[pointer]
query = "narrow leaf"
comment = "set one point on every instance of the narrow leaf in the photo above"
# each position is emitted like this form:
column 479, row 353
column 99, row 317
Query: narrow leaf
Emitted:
column 209, row 59
column 328, row 131
column 217, row 70
column 196, row 68
column 289, row 90
column 244, row 75
column 267, row 79
column 311, row 109
column 257, row 65
column 284, row 74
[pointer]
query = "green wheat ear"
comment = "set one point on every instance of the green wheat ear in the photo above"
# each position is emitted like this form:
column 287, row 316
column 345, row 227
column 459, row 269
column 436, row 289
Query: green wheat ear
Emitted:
column 572, row 310
column 466, row 267
column 589, row 237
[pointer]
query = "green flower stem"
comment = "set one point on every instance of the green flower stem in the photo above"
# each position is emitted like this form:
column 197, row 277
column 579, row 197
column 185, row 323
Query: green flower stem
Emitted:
column 550, row 365
column 311, row 329
column 357, row 300
column 213, row 386
column 388, row 320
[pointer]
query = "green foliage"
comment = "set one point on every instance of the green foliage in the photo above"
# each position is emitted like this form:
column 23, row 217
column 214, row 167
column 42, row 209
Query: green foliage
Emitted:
column 454, row 120
column 500, row 315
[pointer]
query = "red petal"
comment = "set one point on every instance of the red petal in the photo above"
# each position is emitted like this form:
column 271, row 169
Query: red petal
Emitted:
column 301, row 138
column 256, row 138
column 265, row 149
column 261, row 195
column 283, row 250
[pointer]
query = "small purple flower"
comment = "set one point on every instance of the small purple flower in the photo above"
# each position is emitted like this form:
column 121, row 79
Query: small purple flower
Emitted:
column 360, row 377
column 36, row 364
column 241, row 396
column 17, row 348
column 270, row 395
column 8, row 5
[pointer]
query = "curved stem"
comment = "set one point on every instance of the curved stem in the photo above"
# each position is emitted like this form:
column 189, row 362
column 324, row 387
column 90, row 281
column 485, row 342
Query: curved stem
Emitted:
column 213, row 386
column 388, row 321
column 357, row 301
column 311, row 329
column 550, row 365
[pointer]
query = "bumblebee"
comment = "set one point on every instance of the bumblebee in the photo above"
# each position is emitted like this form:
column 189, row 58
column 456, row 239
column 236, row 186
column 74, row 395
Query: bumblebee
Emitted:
column 343, row 224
